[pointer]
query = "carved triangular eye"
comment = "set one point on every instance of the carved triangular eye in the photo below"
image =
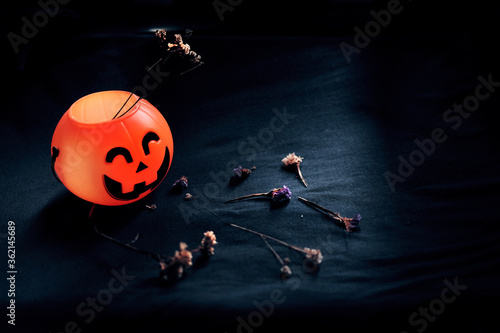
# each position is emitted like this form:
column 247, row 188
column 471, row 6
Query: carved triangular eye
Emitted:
column 150, row 136
column 141, row 167
column 110, row 156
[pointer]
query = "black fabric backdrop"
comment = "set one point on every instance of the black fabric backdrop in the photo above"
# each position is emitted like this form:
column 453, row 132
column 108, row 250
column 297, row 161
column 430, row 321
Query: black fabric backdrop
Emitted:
column 350, row 122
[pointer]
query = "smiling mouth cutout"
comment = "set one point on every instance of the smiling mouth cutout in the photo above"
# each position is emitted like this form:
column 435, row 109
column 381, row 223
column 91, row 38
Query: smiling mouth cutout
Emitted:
column 115, row 188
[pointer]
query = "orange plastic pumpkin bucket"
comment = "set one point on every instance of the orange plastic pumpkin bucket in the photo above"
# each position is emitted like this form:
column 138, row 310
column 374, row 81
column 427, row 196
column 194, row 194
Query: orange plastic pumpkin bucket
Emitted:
column 112, row 161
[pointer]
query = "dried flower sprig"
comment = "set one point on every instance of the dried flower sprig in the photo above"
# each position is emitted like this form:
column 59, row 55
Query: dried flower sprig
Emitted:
column 176, row 59
column 285, row 270
column 182, row 259
column 178, row 46
column 293, row 161
column 180, row 184
column 171, row 267
column 241, row 172
column 313, row 257
column 151, row 207
column 207, row 243
column 349, row 223
column 174, row 267
column 277, row 196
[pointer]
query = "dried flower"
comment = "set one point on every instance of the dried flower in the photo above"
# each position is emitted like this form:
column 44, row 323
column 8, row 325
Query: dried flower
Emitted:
column 313, row 255
column 188, row 196
column 350, row 224
column 164, row 270
column 207, row 243
column 177, row 59
column 312, row 260
column 183, row 256
column 241, row 172
column 293, row 161
column 178, row 46
column 161, row 34
column 286, row 272
column 281, row 194
column 170, row 267
column 180, row 270
column 151, row 207
column 180, row 184
column 277, row 195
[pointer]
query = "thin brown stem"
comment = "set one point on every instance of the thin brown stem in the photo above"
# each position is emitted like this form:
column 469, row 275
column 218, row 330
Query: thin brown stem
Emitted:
column 156, row 63
column 323, row 210
column 259, row 233
column 189, row 70
column 256, row 195
column 116, row 241
column 273, row 251
column 267, row 236
column 300, row 175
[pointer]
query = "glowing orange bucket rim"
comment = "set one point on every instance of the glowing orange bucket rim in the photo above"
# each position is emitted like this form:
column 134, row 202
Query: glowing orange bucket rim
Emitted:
column 133, row 99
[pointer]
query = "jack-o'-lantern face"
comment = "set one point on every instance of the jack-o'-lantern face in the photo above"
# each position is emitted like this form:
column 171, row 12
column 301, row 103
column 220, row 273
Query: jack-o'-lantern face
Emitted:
column 111, row 161
column 154, row 168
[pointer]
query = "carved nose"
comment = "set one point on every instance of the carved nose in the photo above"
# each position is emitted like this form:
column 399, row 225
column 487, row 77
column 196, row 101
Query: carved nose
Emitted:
column 141, row 167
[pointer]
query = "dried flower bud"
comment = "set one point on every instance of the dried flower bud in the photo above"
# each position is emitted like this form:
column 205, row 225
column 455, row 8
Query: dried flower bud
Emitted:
column 281, row 195
column 184, row 50
column 178, row 46
column 180, row 184
column 163, row 265
column 183, row 256
column 151, row 207
column 241, row 172
column 291, row 160
column 180, row 271
column 163, row 270
column 178, row 38
column 162, row 35
column 208, row 242
column 314, row 255
column 351, row 224
column 286, row 272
